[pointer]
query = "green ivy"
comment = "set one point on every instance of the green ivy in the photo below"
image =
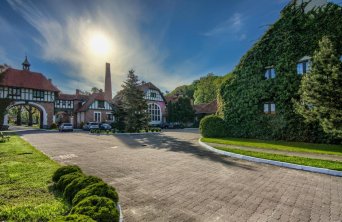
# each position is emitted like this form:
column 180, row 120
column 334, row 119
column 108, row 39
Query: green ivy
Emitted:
column 296, row 34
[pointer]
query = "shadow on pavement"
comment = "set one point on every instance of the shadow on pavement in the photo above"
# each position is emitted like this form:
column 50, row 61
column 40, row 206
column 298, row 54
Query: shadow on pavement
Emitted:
column 172, row 144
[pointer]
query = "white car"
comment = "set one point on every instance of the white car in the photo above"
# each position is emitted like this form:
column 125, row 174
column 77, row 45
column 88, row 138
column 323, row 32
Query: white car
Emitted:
column 91, row 125
column 66, row 127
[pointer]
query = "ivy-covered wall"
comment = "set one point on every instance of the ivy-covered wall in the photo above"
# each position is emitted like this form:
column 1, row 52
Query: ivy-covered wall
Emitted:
column 296, row 34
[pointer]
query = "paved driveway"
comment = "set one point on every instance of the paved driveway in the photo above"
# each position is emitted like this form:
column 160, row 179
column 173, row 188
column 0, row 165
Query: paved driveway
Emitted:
column 168, row 177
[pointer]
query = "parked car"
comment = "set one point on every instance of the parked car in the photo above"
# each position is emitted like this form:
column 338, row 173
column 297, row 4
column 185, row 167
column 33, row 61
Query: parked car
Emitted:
column 66, row 127
column 105, row 126
column 172, row 126
column 91, row 125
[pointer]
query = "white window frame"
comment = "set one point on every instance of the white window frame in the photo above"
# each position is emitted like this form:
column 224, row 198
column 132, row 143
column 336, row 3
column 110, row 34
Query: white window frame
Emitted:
column 270, row 73
column 155, row 112
column 95, row 119
column 269, row 108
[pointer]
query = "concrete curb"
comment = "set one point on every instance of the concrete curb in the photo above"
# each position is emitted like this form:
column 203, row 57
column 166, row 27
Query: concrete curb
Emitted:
column 121, row 215
column 273, row 162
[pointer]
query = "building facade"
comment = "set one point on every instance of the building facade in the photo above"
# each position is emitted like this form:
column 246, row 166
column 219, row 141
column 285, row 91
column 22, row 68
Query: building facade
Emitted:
column 24, row 87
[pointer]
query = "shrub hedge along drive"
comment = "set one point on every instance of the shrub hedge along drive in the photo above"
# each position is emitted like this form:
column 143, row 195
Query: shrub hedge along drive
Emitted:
column 212, row 126
column 77, row 185
column 99, row 208
column 66, row 180
column 100, row 189
column 92, row 199
column 296, row 34
column 64, row 170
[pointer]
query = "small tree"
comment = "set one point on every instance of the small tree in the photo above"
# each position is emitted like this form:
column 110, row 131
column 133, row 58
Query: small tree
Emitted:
column 134, row 104
column 321, row 90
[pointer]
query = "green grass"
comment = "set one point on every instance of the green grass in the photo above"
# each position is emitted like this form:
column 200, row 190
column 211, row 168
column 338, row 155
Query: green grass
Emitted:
column 25, row 175
column 329, row 164
column 280, row 145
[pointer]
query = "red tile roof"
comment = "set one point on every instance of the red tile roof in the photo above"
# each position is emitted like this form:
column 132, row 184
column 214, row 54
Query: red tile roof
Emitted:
column 26, row 79
column 206, row 108
column 67, row 96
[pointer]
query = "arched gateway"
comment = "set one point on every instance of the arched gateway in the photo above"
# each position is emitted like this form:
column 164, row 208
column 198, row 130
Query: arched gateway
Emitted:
column 40, row 107
column 23, row 87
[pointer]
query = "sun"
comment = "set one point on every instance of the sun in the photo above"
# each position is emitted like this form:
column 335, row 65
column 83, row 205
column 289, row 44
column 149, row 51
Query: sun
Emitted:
column 99, row 44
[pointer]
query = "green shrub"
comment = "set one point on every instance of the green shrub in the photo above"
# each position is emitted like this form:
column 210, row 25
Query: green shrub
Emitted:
column 98, row 189
column 65, row 180
column 74, row 218
column 99, row 208
column 212, row 126
column 77, row 185
column 53, row 126
column 64, row 170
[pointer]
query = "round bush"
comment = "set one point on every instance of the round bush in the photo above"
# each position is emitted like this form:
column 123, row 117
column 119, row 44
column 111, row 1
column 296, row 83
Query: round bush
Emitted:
column 98, row 189
column 65, row 180
column 77, row 185
column 74, row 218
column 99, row 208
column 64, row 170
column 212, row 126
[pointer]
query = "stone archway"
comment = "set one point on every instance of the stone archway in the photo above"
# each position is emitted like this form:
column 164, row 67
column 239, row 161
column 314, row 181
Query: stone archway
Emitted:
column 43, row 113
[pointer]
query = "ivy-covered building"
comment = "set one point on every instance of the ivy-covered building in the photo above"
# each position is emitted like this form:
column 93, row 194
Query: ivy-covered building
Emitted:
column 258, row 102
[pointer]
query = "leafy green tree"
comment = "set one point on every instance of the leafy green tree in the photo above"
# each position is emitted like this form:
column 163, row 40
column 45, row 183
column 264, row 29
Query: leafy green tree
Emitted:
column 134, row 104
column 207, row 88
column 185, row 90
column 181, row 110
column 321, row 90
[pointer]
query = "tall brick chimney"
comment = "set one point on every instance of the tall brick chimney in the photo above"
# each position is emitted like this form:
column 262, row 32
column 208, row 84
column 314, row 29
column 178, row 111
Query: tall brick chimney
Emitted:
column 108, row 83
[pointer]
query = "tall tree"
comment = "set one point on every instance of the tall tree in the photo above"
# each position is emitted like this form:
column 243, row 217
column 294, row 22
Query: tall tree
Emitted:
column 181, row 110
column 321, row 90
column 134, row 104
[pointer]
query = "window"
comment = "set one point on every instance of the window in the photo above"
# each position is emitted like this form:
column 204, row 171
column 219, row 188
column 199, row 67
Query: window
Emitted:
column 303, row 67
column 269, row 108
column 109, row 116
column 58, row 102
column 153, row 94
column 154, row 111
column 38, row 94
column 97, row 117
column 101, row 104
column 63, row 103
column 14, row 93
column 270, row 73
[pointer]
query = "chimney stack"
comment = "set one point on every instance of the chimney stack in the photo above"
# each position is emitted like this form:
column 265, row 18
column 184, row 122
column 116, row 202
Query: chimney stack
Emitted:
column 108, row 83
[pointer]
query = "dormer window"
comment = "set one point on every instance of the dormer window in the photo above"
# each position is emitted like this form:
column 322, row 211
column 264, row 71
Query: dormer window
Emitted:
column 269, row 108
column 304, row 65
column 153, row 94
column 100, row 104
column 270, row 73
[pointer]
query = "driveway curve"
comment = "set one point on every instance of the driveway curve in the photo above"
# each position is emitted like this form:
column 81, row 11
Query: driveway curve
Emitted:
column 169, row 177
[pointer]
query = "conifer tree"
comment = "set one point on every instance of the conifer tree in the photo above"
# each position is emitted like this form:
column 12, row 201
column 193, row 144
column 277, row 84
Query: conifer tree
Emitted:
column 134, row 104
column 321, row 90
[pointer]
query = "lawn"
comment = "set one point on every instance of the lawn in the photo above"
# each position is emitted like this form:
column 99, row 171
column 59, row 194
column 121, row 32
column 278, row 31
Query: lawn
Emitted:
column 279, row 145
column 25, row 175
column 333, row 165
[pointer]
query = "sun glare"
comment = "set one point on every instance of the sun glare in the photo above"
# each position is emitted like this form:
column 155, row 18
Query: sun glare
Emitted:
column 99, row 44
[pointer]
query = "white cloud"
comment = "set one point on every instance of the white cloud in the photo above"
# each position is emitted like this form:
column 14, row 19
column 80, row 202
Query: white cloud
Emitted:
column 232, row 26
column 64, row 38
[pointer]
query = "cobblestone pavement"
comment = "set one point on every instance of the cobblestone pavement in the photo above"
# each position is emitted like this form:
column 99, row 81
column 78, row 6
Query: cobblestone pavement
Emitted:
column 169, row 177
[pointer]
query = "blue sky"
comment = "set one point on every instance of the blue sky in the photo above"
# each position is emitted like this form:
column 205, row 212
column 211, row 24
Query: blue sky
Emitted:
column 167, row 42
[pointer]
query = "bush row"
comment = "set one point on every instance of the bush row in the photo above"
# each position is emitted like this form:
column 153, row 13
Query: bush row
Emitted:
column 212, row 126
column 91, row 199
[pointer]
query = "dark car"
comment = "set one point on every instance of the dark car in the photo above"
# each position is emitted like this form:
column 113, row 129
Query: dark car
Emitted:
column 105, row 126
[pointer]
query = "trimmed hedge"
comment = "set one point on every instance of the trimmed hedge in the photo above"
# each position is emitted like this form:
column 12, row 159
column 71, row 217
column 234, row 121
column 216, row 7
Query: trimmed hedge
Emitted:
column 64, row 170
column 99, row 189
column 99, row 208
column 212, row 126
column 77, row 185
column 74, row 218
column 65, row 180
